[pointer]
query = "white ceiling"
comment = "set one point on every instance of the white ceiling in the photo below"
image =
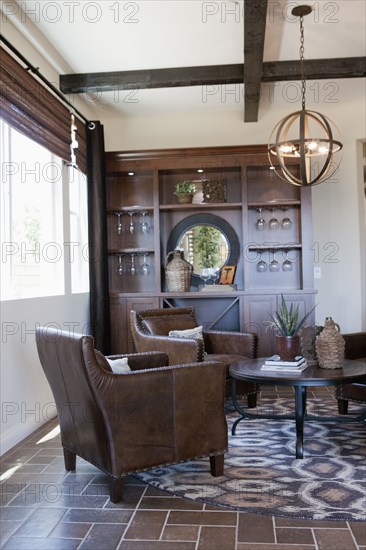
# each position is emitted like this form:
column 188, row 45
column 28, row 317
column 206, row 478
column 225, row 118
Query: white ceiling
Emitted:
column 86, row 36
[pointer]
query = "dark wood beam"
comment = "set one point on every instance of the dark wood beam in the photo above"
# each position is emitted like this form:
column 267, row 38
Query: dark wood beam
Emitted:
column 255, row 14
column 272, row 71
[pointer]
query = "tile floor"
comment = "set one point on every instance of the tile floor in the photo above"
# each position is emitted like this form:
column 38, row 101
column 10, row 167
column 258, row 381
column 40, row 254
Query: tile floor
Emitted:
column 44, row 507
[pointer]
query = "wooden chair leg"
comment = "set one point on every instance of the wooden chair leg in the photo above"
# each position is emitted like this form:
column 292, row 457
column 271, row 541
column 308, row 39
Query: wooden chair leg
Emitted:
column 70, row 460
column 343, row 406
column 217, row 465
column 116, row 489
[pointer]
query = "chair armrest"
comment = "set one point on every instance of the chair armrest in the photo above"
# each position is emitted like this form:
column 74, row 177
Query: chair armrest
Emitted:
column 355, row 345
column 232, row 343
column 147, row 360
column 162, row 416
column 179, row 350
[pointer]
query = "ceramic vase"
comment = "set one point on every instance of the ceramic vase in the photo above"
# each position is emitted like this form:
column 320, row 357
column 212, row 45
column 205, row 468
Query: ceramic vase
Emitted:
column 287, row 347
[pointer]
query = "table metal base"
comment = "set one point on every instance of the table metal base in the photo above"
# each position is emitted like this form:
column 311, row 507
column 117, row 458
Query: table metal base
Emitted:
column 299, row 417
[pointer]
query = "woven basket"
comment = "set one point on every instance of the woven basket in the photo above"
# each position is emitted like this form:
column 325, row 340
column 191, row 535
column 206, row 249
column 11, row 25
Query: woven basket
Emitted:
column 177, row 272
column 329, row 346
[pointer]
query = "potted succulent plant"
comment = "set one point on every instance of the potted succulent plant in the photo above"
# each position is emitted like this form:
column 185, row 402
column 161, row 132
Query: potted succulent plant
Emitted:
column 287, row 323
column 185, row 191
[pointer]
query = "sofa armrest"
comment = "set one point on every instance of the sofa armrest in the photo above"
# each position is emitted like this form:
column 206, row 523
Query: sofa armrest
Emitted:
column 162, row 416
column 233, row 343
column 147, row 360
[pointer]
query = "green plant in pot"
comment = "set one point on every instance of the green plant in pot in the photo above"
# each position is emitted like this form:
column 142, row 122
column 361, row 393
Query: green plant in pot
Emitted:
column 287, row 322
column 185, row 191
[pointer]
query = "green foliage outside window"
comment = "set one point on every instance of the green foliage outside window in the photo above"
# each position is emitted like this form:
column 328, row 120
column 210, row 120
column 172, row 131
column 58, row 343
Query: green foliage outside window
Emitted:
column 207, row 245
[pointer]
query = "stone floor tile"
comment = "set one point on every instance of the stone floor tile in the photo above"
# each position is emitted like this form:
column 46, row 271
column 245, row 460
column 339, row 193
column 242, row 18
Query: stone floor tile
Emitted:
column 103, row 536
column 146, row 525
column 260, row 546
column 168, row 503
column 335, row 539
column 7, row 528
column 253, row 528
column 308, row 523
column 156, row 545
column 41, row 522
column 83, row 515
column 358, row 529
column 217, row 538
column 183, row 533
column 38, row 543
column 294, row 536
column 68, row 530
column 202, row 518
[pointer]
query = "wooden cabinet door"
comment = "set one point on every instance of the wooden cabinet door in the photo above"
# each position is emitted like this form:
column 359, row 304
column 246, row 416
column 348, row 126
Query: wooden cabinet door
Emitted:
column 256, row 313
column 121, row 336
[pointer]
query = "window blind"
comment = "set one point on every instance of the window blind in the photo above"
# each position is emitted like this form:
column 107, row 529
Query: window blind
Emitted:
column 32, row 109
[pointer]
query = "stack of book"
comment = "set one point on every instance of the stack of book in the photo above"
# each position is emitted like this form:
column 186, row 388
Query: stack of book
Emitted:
column 275, row 363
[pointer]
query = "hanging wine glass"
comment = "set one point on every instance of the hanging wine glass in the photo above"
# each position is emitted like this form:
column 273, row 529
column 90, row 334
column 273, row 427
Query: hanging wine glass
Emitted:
column 131, row 225
column 121, row 270
column 274, row 265
column 260, row 224
column 261, row 265
column 133, row 268
column 273, row 222
column 286, row 222
column 145, row 268
column 119, row 227
column 287, row 264
column 144, row 224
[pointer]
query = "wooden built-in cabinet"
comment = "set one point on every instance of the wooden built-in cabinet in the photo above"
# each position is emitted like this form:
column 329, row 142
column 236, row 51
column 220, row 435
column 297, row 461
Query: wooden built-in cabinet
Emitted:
column 142, row 213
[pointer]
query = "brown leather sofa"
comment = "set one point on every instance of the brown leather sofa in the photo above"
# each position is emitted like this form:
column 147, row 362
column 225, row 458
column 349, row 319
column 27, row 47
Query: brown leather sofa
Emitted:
column 150, row 330
column 355, row 349
column 154, row 415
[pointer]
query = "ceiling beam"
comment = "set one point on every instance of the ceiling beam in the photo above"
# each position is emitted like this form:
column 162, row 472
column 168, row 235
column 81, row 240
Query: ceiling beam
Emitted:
column 272, row 71
column 255, row 14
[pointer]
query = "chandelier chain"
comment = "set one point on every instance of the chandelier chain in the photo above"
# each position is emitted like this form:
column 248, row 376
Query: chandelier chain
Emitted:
column 302, row 49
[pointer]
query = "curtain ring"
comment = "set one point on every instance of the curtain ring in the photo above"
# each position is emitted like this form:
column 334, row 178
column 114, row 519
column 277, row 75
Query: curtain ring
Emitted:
column 91, row 126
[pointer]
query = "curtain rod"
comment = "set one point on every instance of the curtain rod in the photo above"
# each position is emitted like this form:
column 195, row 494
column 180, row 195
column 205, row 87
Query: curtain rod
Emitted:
column 35, row 70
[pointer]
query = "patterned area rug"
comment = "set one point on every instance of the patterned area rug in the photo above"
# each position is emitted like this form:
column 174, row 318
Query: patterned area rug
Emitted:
column 263, row 476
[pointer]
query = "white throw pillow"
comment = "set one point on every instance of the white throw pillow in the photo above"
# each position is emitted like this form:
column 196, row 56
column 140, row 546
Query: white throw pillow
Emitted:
column 120, row 365
column 195, row 333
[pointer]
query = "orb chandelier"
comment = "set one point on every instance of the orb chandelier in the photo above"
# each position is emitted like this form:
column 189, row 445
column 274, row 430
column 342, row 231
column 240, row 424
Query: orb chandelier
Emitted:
column 304, row 136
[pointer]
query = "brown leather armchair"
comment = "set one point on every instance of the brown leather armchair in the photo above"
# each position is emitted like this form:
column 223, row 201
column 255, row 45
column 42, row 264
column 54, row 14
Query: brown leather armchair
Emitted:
column 355, row 349
column 150, row 330
column 122, row 423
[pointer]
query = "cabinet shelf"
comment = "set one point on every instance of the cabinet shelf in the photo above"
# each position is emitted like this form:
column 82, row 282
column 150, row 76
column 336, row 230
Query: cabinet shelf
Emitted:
column 136, row 251
column 125, row 209
column 202, row 206
column 275, row 247
column 281, row 203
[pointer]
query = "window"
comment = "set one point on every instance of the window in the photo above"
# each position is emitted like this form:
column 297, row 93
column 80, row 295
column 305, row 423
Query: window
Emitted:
column 33, row 248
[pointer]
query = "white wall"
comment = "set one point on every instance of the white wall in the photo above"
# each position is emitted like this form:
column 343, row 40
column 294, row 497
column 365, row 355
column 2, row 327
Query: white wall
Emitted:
column 338, row 215
column 26, row 398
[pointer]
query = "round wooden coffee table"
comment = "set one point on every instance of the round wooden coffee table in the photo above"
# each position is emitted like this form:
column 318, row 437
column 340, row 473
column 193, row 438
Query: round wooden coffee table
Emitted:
column 250, row 371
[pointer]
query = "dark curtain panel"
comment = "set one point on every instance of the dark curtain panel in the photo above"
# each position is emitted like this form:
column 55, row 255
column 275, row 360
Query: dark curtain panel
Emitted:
column 98, row 256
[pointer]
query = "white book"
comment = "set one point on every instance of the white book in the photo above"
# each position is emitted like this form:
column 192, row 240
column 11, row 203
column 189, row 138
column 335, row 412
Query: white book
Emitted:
column 277, row 368
column 276, row 360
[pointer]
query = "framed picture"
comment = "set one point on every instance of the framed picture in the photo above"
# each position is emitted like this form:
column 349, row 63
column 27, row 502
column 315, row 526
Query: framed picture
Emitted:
column 227, row 275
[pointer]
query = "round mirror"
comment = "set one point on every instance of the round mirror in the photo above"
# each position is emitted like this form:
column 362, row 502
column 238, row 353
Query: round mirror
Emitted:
column 208, row 242
column 205, row 247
